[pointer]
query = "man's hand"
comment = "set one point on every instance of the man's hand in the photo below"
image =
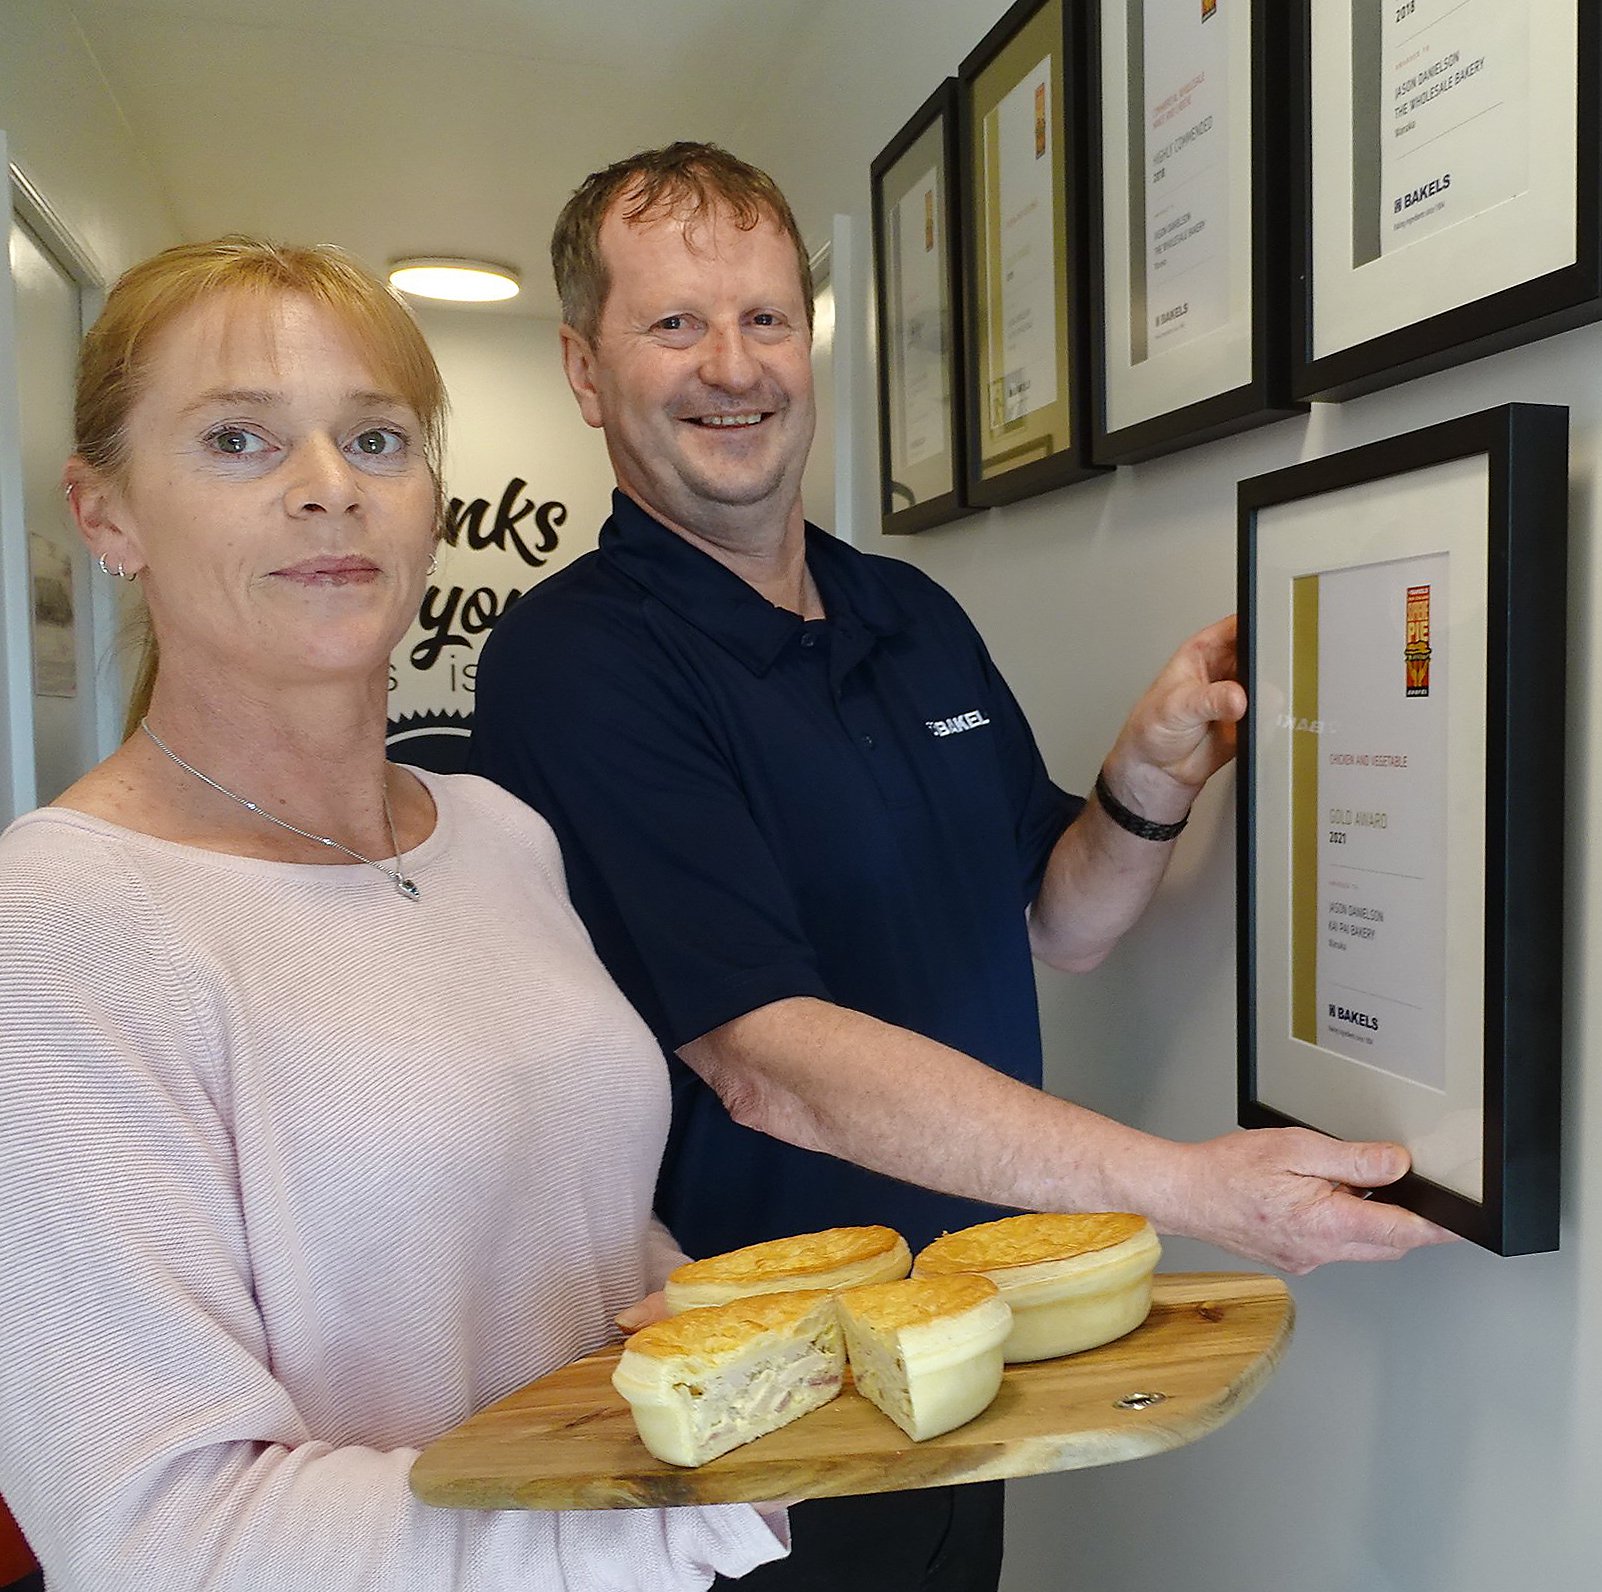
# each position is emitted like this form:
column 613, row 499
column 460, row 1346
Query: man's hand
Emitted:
column 1182, row 731
column 826, row 1078
column 1284, row 1196
column 1100, row 877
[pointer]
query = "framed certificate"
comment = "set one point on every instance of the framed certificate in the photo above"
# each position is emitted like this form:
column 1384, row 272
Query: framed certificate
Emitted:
column 1401, row 810
column 916, row 277
column 1447, row 191
column 1189, row 230
column 1025, row 253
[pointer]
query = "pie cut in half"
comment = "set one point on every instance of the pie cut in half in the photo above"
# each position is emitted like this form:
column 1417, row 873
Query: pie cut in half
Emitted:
column 706, row 1381
column 926, row 1351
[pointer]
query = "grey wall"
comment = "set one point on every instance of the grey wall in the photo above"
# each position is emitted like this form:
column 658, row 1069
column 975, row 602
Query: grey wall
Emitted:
column 64, row 132
column 1435, row 1425
column 68, row 135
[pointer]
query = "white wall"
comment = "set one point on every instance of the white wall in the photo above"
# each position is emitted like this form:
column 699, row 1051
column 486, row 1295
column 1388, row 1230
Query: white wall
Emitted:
column 512, row 420
column 61, row 127
column 1437, row 1425
column 513, row 415
column 68, row 135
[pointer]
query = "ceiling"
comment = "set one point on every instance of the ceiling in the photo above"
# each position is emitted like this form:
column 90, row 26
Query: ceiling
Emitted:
column 401, row 127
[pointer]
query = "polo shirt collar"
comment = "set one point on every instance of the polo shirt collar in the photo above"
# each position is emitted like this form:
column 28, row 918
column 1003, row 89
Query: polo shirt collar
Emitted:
column 717, row 602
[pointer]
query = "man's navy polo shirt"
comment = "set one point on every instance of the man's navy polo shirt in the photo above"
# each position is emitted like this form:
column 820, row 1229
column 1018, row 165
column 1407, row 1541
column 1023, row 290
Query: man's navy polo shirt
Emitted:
column 753, row 807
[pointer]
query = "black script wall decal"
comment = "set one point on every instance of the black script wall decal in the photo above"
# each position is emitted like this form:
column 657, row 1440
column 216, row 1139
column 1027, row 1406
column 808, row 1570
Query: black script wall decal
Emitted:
column 477, row 612
column 465, row 521
column 431, row 708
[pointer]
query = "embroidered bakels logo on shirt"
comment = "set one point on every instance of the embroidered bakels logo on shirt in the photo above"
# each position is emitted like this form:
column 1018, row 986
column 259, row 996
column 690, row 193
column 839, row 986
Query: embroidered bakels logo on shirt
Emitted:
column 955, row 726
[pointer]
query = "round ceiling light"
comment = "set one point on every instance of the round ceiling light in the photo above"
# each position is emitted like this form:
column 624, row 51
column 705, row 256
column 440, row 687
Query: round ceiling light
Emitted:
column 463, row 281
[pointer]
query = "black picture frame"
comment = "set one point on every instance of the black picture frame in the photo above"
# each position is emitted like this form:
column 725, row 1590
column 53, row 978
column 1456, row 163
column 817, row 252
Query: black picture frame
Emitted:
column 1241, row 390
column 1529, row 306
column 932, row 128
column 1513, row 1085
column 1038, row 461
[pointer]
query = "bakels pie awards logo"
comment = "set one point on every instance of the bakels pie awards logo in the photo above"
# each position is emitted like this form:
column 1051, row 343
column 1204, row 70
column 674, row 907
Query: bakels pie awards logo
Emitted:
column 1416, row 654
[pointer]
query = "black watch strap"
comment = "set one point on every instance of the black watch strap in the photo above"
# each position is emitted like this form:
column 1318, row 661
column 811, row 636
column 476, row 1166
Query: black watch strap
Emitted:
column 1145, row 828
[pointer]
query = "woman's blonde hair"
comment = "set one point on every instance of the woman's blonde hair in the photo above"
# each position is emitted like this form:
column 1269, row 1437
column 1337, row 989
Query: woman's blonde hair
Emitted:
column 114, row 362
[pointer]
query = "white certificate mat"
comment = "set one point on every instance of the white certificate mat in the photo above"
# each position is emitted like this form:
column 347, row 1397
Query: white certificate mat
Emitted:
column 1185, row 174
column 1369, row 691
column 1368, row 849
column 1177, row 221
column 1443, row 157
column 1453, row 123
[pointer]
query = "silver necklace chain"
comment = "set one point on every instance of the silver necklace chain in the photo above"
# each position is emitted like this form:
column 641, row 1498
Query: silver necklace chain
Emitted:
column 395, row 876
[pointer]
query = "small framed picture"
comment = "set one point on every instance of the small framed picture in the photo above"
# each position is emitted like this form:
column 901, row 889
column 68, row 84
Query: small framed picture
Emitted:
column 1025, row 254
column 1401, row 810
column 916, row 278
column 1189, row 224
column 1451, row 152
column 55, row 642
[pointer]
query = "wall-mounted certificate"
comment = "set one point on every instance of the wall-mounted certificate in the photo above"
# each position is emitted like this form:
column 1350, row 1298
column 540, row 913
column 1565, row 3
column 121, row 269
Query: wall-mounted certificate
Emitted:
column 1189, row 229
column 1400, row 817
column 1369, row 804
column 1448, row 193
column 1183, row 59
column 916, row 274
column 1023, row 147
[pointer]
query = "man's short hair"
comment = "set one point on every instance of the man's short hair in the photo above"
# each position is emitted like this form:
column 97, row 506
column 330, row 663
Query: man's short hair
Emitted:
column 682, row 180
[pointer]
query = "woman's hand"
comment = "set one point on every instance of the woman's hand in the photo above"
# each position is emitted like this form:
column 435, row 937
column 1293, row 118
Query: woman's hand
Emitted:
column 653, row 1307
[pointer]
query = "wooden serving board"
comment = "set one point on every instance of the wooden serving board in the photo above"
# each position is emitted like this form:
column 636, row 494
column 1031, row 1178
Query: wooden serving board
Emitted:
column 568, row 1440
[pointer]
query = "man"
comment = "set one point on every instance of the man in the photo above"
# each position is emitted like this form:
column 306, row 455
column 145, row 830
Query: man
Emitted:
column 805, row 820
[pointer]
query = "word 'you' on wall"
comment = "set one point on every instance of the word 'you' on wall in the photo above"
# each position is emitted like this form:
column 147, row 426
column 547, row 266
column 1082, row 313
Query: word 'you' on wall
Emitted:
column 493, row 550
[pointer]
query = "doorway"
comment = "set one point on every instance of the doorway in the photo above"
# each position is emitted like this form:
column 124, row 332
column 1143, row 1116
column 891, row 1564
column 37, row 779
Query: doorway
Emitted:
column 63, row 687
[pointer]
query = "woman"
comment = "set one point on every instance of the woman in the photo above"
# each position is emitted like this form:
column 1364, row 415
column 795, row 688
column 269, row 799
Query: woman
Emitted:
column 320, row 1124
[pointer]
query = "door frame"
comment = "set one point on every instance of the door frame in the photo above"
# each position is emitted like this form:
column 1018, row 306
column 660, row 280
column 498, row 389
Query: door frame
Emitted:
column 103, row 683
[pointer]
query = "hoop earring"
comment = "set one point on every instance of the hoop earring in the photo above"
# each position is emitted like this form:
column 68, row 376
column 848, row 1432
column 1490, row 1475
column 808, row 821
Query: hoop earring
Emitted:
column 433, row 563
column 120, row 572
